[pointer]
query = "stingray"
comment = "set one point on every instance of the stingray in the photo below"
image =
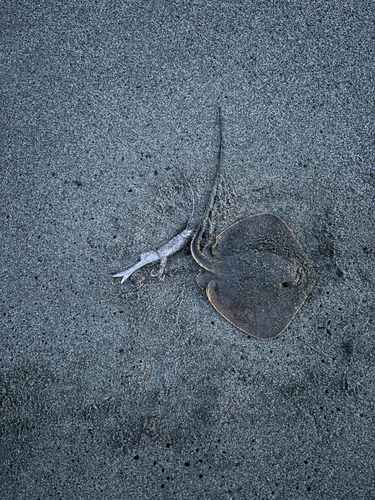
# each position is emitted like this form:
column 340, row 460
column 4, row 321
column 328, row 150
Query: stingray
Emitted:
column 255, row 274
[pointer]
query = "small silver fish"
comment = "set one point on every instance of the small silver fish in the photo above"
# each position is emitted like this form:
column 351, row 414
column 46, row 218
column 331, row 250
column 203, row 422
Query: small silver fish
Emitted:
column 173, row 246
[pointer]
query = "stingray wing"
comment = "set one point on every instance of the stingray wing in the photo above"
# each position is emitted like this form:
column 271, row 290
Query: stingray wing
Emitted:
column 261, row 311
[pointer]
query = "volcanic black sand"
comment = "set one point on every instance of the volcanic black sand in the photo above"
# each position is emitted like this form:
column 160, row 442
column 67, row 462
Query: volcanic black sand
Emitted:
column 142, row 390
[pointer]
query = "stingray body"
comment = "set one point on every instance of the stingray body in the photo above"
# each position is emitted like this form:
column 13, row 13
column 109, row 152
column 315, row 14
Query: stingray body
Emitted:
column 256, row 274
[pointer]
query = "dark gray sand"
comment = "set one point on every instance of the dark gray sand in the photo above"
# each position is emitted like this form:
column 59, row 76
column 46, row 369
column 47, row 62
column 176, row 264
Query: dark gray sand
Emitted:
column 142, row 390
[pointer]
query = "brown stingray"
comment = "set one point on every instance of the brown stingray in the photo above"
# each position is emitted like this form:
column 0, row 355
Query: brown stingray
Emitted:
column 256, row 274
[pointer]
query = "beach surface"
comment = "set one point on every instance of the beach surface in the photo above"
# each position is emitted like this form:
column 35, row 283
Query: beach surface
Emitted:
column 110, row 140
